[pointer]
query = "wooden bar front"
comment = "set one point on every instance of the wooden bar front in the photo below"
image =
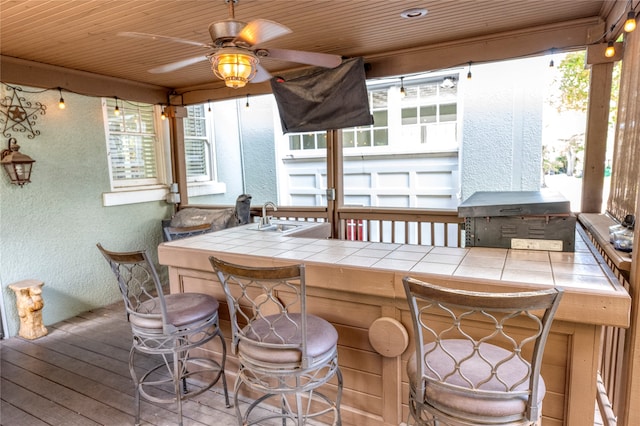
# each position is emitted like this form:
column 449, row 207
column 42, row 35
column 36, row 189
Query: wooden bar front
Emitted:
column 352, row 284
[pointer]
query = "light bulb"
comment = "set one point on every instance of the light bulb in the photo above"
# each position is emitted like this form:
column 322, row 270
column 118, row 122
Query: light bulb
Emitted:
column 163, row 116
column 469, row 72
column 403, row 92
column 61, row 104
column 630, row 23
column 610, row 51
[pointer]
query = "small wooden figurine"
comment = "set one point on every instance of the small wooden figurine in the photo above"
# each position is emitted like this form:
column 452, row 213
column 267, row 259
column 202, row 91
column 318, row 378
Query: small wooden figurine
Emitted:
column 29, row 303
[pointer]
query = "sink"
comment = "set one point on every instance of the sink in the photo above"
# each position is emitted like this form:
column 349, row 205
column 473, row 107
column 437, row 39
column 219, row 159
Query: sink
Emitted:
column 296, row 229
column 283, row 227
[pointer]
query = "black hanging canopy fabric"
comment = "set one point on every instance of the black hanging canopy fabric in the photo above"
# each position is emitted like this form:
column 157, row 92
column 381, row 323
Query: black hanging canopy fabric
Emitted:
column 330, row 99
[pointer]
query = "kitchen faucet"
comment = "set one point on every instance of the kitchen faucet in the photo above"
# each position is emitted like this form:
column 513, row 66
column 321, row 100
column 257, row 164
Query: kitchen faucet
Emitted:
column 266, row 220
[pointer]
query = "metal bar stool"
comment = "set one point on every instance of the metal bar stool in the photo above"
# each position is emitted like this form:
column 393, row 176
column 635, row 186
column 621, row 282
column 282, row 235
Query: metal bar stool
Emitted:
column 169, row 326
column 284, row 354
column 477, row 355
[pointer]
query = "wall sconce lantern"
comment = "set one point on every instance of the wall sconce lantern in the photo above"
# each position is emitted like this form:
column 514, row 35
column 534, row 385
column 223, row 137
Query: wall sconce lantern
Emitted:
column 16, row 164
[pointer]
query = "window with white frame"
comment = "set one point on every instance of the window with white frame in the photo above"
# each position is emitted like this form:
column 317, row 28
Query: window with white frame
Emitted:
column 376, row 134
column 133, row 144
column 306, row 141
column 198, row 147
column 429, row 113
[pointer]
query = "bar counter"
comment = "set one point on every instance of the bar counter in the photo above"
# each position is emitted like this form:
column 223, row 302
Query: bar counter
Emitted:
column 357, row 286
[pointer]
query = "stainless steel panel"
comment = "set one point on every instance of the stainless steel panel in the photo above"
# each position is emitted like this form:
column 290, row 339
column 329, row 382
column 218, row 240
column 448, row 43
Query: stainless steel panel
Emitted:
column 495, row 219
column 500, row 231
column 514, row 203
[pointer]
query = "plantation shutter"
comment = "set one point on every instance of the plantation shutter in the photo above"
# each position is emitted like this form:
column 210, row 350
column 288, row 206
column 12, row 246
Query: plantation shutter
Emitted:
column 132, row 143
column 196, row 144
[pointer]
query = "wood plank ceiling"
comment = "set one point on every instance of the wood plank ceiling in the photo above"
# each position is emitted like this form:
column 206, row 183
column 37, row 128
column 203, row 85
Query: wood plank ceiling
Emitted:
column 83, row 34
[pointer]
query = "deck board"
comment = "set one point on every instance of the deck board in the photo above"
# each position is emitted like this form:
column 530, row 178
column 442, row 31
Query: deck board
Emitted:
column 33, row 404
column 78, row 375
column 12, row 415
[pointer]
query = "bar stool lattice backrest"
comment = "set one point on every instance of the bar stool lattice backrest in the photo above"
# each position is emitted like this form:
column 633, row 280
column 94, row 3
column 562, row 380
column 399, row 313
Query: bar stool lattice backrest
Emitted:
column 480, row 357
column 285, row 355
column 168, row 326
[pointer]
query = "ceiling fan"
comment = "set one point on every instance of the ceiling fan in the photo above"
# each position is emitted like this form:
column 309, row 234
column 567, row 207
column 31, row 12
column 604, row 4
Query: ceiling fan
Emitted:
column 235, row 52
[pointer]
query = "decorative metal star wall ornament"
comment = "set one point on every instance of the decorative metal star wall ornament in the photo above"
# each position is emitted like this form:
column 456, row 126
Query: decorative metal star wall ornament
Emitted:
column 19, row 115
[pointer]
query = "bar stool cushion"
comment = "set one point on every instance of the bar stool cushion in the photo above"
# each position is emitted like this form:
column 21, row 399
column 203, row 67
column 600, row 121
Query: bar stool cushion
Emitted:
column 182, row 309
column 476, row 369
column 322, row 339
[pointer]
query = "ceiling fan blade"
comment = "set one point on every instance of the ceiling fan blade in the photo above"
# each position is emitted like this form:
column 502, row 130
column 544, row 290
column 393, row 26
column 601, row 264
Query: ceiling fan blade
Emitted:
column 261, row 75
column 259, row 31
column 177, row 65
column 162, row 38
column 310, row 58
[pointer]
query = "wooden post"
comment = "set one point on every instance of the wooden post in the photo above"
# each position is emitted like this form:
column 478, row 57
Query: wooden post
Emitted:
column 176, row 115
column 597, row 129
column 29, row 303
column 335, row 179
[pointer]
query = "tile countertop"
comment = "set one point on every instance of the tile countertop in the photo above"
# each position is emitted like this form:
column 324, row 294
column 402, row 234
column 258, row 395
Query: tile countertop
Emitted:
column 592, row 294
column 580, row 269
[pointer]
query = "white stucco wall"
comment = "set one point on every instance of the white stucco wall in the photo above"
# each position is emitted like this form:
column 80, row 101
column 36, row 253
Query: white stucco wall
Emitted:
column 49, row 228
column 502, row 126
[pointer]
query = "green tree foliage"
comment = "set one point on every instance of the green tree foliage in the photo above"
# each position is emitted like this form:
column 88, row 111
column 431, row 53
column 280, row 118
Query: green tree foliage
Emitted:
column 615, row 93
column 573, row 84
column 572, row 94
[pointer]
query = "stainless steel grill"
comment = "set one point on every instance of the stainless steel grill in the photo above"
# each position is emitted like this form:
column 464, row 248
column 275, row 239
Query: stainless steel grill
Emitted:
column 535, row 220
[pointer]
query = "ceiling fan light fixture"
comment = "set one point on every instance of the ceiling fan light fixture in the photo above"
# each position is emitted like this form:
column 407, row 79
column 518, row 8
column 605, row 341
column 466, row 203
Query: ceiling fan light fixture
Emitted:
column 234, row 66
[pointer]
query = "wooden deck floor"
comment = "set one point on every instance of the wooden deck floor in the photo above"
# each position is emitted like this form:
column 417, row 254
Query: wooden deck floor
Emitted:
column 78, row 375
